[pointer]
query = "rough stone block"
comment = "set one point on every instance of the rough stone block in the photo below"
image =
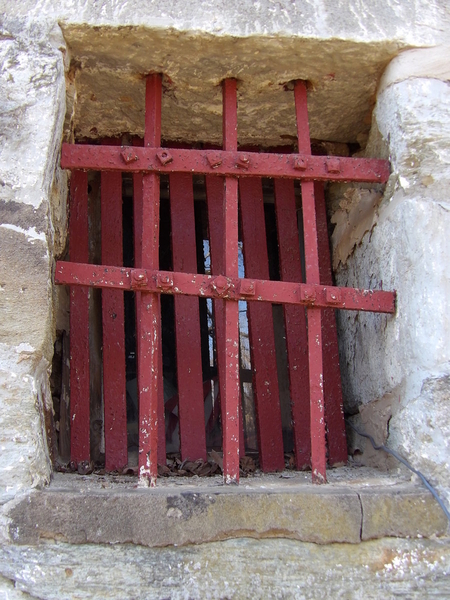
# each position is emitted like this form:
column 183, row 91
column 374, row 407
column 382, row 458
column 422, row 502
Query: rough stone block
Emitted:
column 400, row 512
column 166, row 517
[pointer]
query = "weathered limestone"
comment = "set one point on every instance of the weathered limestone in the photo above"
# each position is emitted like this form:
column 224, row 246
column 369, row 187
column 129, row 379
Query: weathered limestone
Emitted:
column 245, row 568
column 403, row 362
column 32, row 226
column 342, row 49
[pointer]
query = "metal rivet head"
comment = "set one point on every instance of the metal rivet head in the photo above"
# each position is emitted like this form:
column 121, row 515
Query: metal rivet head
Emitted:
column 333, row 165
column 164, row 157
column 220, row 285
column 243, row 161
column 138, row 279
column 307, row 294
column 128, row 156
column 214, row 159
column 300, row 164
column 333, row 295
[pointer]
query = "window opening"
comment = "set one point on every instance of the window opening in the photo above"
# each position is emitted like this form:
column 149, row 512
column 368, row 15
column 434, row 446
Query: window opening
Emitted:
column 318, row 429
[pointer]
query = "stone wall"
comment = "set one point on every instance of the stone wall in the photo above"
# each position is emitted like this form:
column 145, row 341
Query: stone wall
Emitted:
column 396, row 369
column 343, row 48
column 32, row 226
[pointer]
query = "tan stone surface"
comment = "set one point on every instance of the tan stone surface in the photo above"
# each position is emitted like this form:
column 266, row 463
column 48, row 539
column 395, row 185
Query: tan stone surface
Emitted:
column 401, row 513
column 164, row 517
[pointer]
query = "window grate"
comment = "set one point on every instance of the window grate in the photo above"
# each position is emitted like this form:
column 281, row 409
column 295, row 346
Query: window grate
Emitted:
column 311, row 338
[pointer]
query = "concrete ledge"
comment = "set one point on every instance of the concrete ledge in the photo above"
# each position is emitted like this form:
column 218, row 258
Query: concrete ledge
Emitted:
column 179, row 515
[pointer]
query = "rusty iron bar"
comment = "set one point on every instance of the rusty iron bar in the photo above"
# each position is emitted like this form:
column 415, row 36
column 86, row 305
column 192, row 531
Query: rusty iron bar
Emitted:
column 113, row 327
column 229, row 347
column 317, row 410
column 215, row 190
column 295, row 320
column 148, row 328
column 137, row 238
column 228, row 162
column 332, row 387
column 261, row 331
column 79, row 324
column 231, row 288
column 191, row 411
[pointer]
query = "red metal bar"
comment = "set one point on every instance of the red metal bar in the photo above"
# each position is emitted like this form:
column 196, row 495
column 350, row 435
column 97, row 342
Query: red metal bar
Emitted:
column 227, row 162
column 207, row 286
column 215, row 194
column 318, row 449
column 262, row 338
column 137, row 221
column 229, row 349
column 334, row 413
column 148, row 326
column 295, row 320
column 187, row 322
column 113, row 321
column 79, row 323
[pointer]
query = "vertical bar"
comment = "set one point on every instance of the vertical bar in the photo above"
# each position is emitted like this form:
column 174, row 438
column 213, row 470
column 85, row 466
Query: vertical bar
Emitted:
column 318, row 450
column 79, row 322
column 137, row 221
column 262, row 338
column 148, row 326
column 295, row 320
column 113, row 321
column 229, row 349
column 215, row 194
column 334, row 414
column 64, row 407
column 191, row 409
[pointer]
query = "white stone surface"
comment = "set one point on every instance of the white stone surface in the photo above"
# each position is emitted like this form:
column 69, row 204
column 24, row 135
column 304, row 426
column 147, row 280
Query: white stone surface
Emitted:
column 32, row 109
column 241, row 569
column 24, row 459
column 406, row 358
column 428, row 63
column 419, row 22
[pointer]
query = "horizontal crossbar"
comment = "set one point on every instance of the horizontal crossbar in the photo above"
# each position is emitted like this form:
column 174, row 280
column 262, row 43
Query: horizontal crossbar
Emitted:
column 218, row 162
column 208, row 286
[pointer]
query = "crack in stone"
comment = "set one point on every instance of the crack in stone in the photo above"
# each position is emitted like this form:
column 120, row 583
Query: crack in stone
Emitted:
column 362, row 517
